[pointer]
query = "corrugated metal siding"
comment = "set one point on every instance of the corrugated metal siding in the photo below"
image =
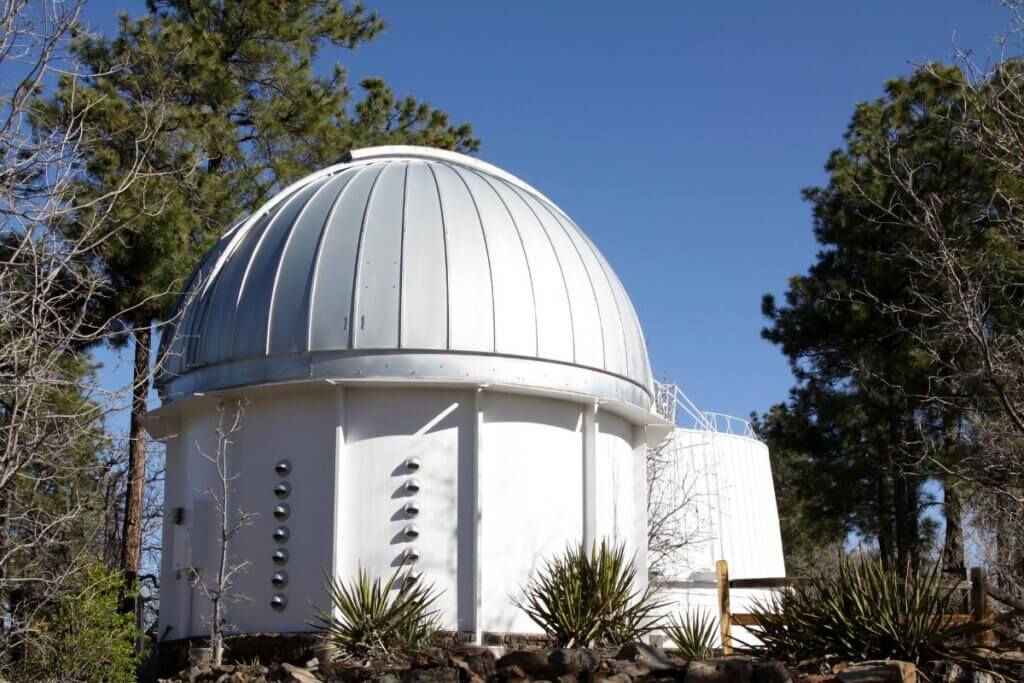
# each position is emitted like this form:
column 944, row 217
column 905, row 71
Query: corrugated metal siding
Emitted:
column 416, row 251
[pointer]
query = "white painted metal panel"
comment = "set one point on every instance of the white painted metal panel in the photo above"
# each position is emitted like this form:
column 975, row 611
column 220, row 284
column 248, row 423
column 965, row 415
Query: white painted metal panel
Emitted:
column 217, row 328
column 515, row 324
column 588, row 334
column 611, row 320
column 256, row 292
column 526, row 519
column 470, row 298
column 330, row 323
column 615, row 514
column 553, row 314
column 299, row 427
column 383, row 429
column 424, row 267
column 378, row 273
column 289, row 309
column 636, row 348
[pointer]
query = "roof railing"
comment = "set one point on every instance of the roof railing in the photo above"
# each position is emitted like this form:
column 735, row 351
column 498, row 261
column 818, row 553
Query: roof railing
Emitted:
column 673, row 404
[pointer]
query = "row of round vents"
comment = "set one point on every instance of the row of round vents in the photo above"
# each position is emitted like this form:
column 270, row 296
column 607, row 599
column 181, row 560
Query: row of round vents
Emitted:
column 282, row 511
column 281, row 534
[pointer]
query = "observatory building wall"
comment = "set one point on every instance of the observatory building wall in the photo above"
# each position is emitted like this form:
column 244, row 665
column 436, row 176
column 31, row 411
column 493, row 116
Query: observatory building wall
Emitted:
column 499, row 489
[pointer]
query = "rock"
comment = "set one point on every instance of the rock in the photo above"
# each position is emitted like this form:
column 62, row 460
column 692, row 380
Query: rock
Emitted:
column 511, row 673
column 948, row 672
column 732, row 670
column 386, row 678
column 883, row 671
column 771, row 672
column 196, row 673
column 476, row 660
column 654, row 658
column 296, row 674
column 442, row 674
column 573, row 661
column 614, row 678
column 529, row 662
column 634, row 670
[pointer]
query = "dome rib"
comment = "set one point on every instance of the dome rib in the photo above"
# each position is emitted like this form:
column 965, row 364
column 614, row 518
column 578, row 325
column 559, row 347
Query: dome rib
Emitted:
column 408, row 262
column 487, row 254
column 526, row 258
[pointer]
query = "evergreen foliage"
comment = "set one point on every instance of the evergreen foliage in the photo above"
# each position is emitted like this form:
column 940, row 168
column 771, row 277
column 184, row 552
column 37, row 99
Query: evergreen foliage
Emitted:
column 82, row 636
column 858, row 436
column 210, row 107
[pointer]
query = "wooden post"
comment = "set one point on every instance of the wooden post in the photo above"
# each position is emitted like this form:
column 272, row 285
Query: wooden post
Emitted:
column 979, row 602
column 724, row 615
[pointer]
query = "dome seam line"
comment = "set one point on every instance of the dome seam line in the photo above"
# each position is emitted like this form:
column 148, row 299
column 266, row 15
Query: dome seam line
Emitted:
column 314, row 275
column 447, row 282
column 526, row 260
column 558, row 260
column 358, row 269
column 487, row 253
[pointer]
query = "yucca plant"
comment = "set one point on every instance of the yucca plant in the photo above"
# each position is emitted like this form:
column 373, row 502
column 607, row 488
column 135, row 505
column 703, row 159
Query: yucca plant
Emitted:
column 692, row 634
column 867, row 610
column 583, row 599
column 371, row 618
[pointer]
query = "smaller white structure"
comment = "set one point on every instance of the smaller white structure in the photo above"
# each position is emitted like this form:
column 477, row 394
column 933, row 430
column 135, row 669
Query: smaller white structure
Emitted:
column 727, row 509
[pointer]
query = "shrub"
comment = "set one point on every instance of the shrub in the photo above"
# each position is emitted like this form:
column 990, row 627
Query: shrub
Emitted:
column 693, row 634
column 585, row 598
column 368, row 622
column 81, row 636
column 867, row 609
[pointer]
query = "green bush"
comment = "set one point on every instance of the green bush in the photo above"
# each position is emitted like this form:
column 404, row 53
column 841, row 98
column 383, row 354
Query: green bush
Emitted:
column 865, row 610
column 582, row 599
column 367, row 622
column 81, row 636
column 692, row 634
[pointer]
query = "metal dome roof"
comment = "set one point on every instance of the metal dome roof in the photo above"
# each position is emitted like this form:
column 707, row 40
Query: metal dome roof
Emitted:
column 408, row 262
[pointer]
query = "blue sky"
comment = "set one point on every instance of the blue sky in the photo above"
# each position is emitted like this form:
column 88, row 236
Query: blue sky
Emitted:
column 677, row 134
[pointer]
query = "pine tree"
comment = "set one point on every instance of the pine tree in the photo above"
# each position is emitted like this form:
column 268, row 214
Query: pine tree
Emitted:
column 227, row 105
column 863, row 427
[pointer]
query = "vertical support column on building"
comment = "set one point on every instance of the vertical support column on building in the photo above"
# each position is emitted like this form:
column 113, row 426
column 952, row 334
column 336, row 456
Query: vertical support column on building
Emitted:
column 640, row 493
column 478, row 429
column 589, row 475
column 338, row 567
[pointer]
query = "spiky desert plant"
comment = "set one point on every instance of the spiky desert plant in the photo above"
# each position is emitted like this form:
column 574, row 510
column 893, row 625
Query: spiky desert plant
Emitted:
column 868, row 609
column 583, row 598
column 692, row 633
column 371, row 618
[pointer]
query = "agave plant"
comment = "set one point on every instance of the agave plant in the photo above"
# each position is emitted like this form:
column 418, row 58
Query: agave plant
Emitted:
column 692, row 634
column 371, row 618
column 866, row 610
column 582, row 598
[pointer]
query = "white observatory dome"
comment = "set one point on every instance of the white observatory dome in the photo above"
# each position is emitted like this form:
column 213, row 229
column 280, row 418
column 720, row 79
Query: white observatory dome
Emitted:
column 439, row 369
column 409, row 263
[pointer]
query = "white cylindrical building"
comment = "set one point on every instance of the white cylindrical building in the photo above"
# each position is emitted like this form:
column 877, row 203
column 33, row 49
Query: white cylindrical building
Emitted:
column 438, row 364
column 718, row 486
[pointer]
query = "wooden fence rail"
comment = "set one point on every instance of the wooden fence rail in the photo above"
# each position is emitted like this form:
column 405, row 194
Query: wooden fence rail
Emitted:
column 979, row 609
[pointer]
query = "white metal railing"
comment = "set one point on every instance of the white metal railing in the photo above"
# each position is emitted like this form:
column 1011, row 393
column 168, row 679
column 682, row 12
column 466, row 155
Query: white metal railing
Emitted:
column 670, row 400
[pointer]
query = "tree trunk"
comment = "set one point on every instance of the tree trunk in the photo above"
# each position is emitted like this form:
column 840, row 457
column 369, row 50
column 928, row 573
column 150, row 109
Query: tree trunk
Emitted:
column 131, row 537
column 885, row 525
column 953, row 559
